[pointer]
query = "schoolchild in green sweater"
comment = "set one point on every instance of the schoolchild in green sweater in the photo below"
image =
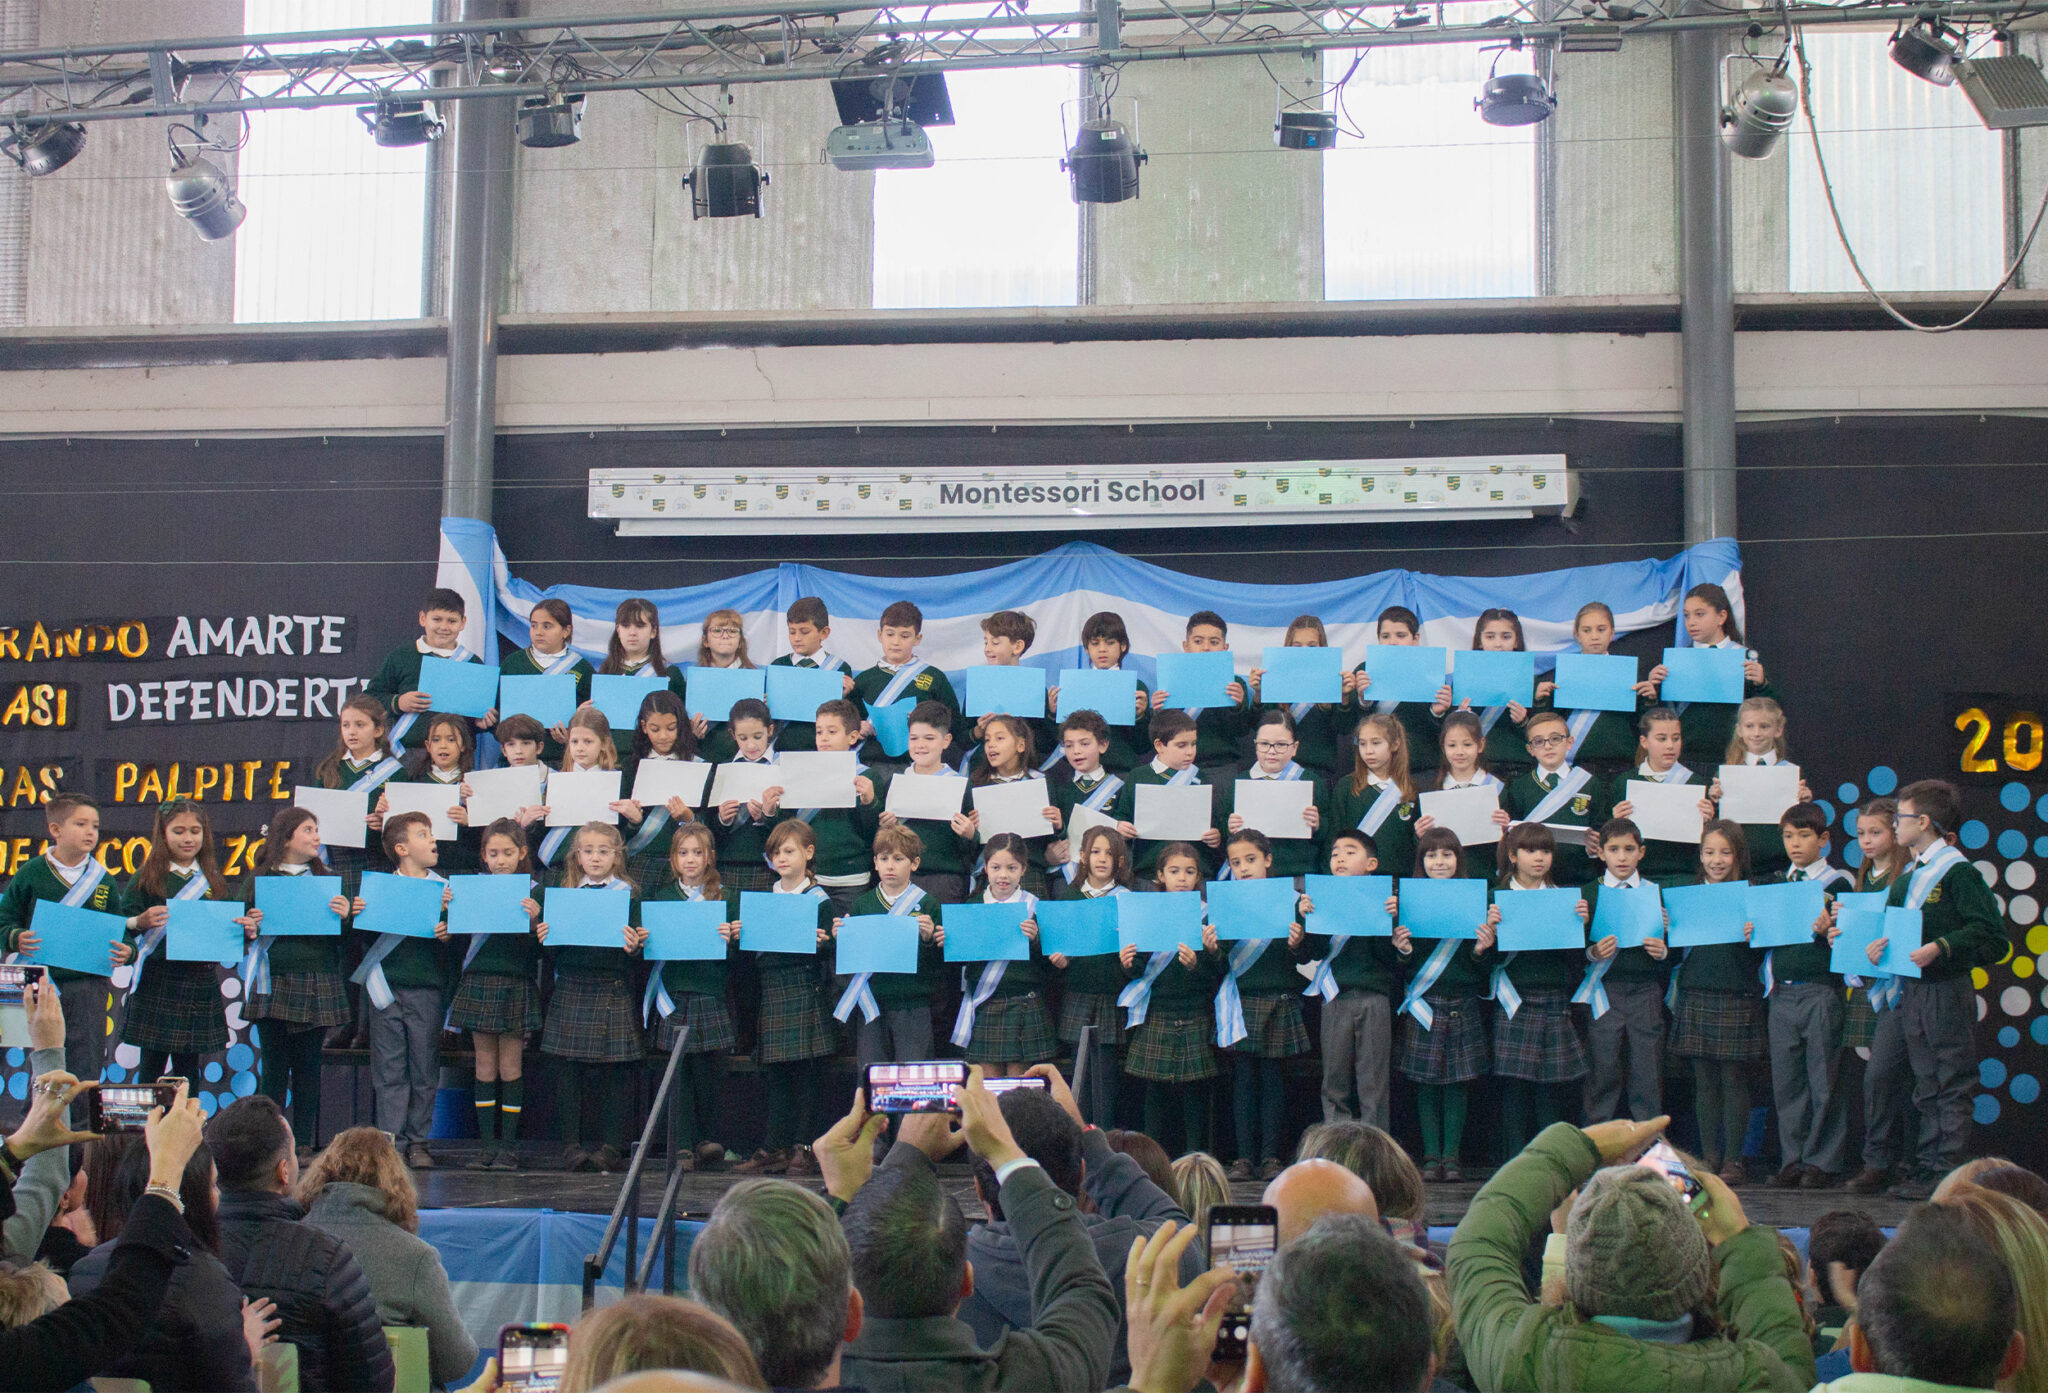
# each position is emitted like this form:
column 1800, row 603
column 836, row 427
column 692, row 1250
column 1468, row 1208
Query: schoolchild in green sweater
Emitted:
column 1265, row 1028
column 1090, row 985
column 1623, row 991
column 635, row 651
column 1378, row 797
column 446, row 758
column 1709, row 619
column 1274, row 748
column 1010, row 755
column 1322, row 728
column 1803, row 1010
column 662, row 734
column 1359, row 979
column 900, row 676
column 1169, row 1014
column 1717, row 1015
column 1603, row 741
column 173, row 1011
column 721, row 643
column 397, row 683
column 1443, row 1038
column 551, row 625
column 809, row 626
column 900, row 1028
column 66, row 871
column 845, row 836
column 743, row 825
column 405, row 1032
column 1003, row 1021
column 1661, row 738
column 693, row 994
column 1398, row 627
column 1537, row 1055
column 1175, row 741
column 1085, row 738
column 1105, row 643
column 1218, row 729
column 498, row 1002
column 948, row 851
column 1760, row 743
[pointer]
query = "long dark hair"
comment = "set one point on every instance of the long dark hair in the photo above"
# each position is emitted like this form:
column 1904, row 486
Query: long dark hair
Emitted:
column 1026, row 762
column 667, row 704
column 327, row 773
column 158, row 863
column 1439, row 839
column 1524, row 836
column 1506, row 616
column 637, row 610
column 1717, row 598
column 278, row 836
column 195, row 1188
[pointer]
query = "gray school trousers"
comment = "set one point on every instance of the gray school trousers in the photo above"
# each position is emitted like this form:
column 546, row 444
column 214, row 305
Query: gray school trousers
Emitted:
column 1805, row 1027
column 405, row 1062
column 899, row 1034
column 85, row 1032
column 1633, row 1025
column 1930, row 1033
column 1358, row 1047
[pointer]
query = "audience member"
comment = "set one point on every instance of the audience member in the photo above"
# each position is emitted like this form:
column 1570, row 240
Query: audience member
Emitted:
column 360, row 1191
column 1997, row 1173
column 45, row 1177
column 1340, row 1307
column 772, row 1259
column 1380, row 1162
column 1936, row 1310
column 638, row 1333
column 1839, row 1247
column 1200, row 1183
column 71, row 1234
column 2021, row 1238
column 28, row 1291
column 1150, row 1156
column 1307, row 1190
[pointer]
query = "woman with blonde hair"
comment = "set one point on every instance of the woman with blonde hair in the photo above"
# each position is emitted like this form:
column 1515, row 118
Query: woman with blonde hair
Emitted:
column 2021, row 1238
column 1201, row 1184
column 360, row 1191
column 655, row 1332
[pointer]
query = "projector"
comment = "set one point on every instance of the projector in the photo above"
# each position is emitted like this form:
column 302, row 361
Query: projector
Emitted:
column 1305, row 130
column 879, row 145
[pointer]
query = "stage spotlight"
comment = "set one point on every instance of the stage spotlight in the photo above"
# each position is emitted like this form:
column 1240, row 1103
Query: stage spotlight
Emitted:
column 1761, row 112
column 203, row 197
column 726, row 183
column 548, row 125
column 1103, row 163
column 43, row 149
column 399, row 124
column 1515, row 99
column 1926, row 50
column 1305, row 130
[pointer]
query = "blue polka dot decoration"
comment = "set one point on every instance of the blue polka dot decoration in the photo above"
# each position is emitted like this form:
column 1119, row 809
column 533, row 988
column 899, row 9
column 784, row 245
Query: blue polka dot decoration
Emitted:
column 1974, row 834
column 1882, row 780
column 2038, row 1028
column 240, row 1057
column 2012, row 845
column 1852, row 855
column 2009, row 1036
column 1827, row 809
column 2041, row 808
column 1849, row 822
column 2041, row 846
column 1985, row 1110
column 15, row 1058
column 2025, row 1088
column 1847, row 793
column 212, row 1071
column 2014, row 797
column 17, row 1087
column 208, row 1103
column 244, row 1084
column 1990, row 1072
column 116, row 1074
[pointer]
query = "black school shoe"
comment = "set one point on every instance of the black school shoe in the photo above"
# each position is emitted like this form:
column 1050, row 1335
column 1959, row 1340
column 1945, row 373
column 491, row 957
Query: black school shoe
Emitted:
column 1870, row 1180
column 710, row 1156
column 1915, row 1188
column 1790, row 1178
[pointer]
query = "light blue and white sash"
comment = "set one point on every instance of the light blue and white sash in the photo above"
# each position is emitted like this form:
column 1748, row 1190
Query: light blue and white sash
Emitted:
column 370, row 780
column 1382, row 808
column 564, row 661
column 1097, row 799
column 89, row 878
column 1567, row 787
column 657, row 997
column 1500, row 988
column 255, row 968
column 991, row 977
column 860, row 992
column 1884, row 994
column 1592, row 991
column 1184, row 778
column 370, row 976
column 1386, row 708
column 1676, row 774
column 1827, row 875
column 1671, row 991
column 406, row 719
column 1580, row 724
column 652, row 820
column 193, row 889
column 1136, row 999
column 1489, row 718
column 903, row 677
column 1230, row 1027
column 1426, row 977
column 551, row 845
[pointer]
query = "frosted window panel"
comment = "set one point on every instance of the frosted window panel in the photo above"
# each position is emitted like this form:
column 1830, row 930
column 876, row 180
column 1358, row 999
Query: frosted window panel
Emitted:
column 1433, row 203
column 336, row 222
column 1916, row 175
column 993, row 222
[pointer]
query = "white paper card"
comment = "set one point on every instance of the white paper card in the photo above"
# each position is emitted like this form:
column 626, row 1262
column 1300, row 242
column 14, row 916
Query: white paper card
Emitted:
column 1275, row 806
column 1666, row 812
column 658, row 780
column 1177, row 813
column 1758, row 793
column 344, row 816
column 817, row 778
column 1467, row 812
column 926, row 797
column 496, row 793
column 1018, row 806
column 425, row 797
column 1079, row 822
column 742, row 783
column 577, row 796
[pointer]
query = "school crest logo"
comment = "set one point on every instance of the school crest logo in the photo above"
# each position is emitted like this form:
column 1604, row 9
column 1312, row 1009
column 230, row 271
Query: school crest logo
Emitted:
column 1934, row 895
column 1405, row 811
column 923, row 682
column 697, row 490
column 782, row 490
column 864, row 490
column 1582, row 804
column 661, row 505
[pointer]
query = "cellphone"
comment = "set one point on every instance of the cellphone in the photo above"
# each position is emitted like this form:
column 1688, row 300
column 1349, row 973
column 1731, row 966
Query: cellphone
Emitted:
column 173, row 1082
column 926, row 1086
column 124, row 1107
column 1244, row 1237
column 1000, row 1086
column 532, row 1357
column 1663, row 1158
column 14, row 983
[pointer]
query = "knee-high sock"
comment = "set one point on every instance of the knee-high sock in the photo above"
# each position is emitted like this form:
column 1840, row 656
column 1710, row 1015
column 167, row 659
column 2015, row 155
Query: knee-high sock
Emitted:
column 486, row 1099
column 1456, row 1095
column 1429, row 1103
column 1706, row 1108
column 511, row 1102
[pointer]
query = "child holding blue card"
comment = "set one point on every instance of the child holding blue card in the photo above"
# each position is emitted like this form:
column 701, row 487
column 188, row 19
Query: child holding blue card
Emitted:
column 1623, row 991
column 792, row 1031
column 662, row 733
column 1536, row 1050
column 66, row 872
column 1003, row 1022
column 448, row 753
column 808, row 626
column 550, row 625
column 1603, row 741
column 1089, row 986
column 498, row 1002
column 1218, row 729
column 844, row 837
column 590, row 1015
column 397, row 683
column 1258, row 1019
column 1507, row 755
column 1717, row 1019
column 1804, row 1005
column 1661, row 737
column 721, row 643
column 900, row 1029
column 1378, row 797
column 1359, row 979
column 1006, row 636
column 693, row 994
column 743, row 827
column 1169, row 1014
column 363, row 762
column 1557, row 794
column 1443, row 1041
column 900, row 676
column 1709, row 619
column 1880, row 862
column 173, row 1009
column 634, row 651
column 405, row 1029
column 293, row 983
column 1106, row 643
column 1318, row 725
column 1398, row 627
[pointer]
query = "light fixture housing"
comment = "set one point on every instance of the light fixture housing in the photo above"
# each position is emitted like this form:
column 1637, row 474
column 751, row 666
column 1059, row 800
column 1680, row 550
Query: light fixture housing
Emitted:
column 1305, row 130
column 1515, row 99
column 1102, row 164
column 397, row 125
column 548, row 125
column 1759, row 113
column 1927, row 50
column 201, row 194
column 43, row 149
column 2008, row 90
column 895, row 144
column 726, row 182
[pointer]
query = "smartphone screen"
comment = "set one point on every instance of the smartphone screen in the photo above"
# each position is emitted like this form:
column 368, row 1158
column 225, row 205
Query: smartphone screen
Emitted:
column 1243, row 1237
column 120, row 1107
column 1664, row 1159
column 14, row 980
column 1007, row 1085
column 532, row 1357
column 921, row 1087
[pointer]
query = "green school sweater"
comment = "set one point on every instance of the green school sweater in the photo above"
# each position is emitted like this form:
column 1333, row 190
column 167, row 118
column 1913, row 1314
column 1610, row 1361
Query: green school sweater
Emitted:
column 803, row 735
column 929, row 685
column 1292, row 856
column 1542, row 969
column 414, row 963
column 519, row 663
column 138, row 899
column 1667, row 863
column 1366, row 964
column 36, row 882
column 399, row 674
column 1395, row 837
column 1507, row 745
column 744, row 840
column 1589, row 807
column 1101, row 973
column 1420, row 724
column 505, row 955
column 1070, row 794
column 1179, row 990
column 1273, row 974
column 1710, row 725
column 1465, row 975
column 1218, row 732
column 946, row 852
column 895, row 990
column 622, row 735
column 846, row 836
column 1630, row 964
column 463, row 855
column 1144, row 853
column 1961, row 915
column 293, row 953
column 602, row 964
column 799, row 962
column 1735, row 967
column 706, row 977
column 1032, row 974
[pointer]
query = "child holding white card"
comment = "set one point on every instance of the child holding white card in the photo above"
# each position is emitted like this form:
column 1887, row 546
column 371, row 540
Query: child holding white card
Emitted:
column 1537, row 1054
column 722, row 643
column 1555, row 793
column 499, row 1004
column 1443, row 1040
column 1717, row 1016
column 743, row 826
column 1359, row 979
column 405, row 1031
column 1085, row 738
column 590, row 746
column 590, row 1020
column 947, row 851
column 1089, row 985
column 1398, row 627
column 361, row 761
column 809, row 626
column 844, row 836
column 1258, row 1019
column 1657, row 748
column 900, row 676
column 1623, row 993
column 1009, row 756
column 1169, row 1011
column 551, row 625
column 1174, row 743
column 1317, row 724
column 448, row 753
column 1804, row 1005
column 1760, row 743
column 1106, row 643
column 173, row 1009
column 1275, row 747
column 1218, row 729
column 1709, row 619
column 1603, row 741
column 520, row 742
column 661, row 734
column 1462, row 764
column 1003, row 1022
column 1378, row 797
column 901, row 1028
column 693, row 994
column 635, row 650
column 793, row 1030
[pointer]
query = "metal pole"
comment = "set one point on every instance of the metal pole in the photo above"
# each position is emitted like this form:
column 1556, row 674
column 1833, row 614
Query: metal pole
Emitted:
column 1706, row 288
column 479, row 244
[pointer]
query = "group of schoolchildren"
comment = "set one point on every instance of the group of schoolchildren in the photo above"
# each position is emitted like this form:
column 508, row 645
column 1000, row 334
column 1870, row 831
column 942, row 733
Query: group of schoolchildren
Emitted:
column 1577, row 1034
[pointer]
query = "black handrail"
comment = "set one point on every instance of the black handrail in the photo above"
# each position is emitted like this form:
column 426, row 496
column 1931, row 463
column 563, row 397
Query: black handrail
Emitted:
column 628, row 1202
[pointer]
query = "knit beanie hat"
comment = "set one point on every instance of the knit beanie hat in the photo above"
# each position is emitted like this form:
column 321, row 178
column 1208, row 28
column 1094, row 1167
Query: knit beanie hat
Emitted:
column 1632, row 1248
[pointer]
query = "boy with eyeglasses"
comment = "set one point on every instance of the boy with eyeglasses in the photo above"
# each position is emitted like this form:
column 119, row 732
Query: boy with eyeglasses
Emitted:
column 1558, row 795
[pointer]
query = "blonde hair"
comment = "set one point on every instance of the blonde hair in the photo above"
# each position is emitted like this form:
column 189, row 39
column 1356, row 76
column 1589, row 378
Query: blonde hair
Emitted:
column 656, row 1332
column 572, row 864
column 1202, row 1184
column 1737, row 750
column 694, row 831
column 593, row 720
column 1398, row 774
column 29, row 1293
column 2021, row 1237
column 364, row 1156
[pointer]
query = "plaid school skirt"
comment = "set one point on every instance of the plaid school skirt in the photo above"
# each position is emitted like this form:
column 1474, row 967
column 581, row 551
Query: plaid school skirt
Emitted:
column 1453, row 1050
column 1171, row 1048
column 1099, row 1009
column 793, row 1020
column 495, row 1003
column 1273, row 1026
column 711, row 1028
column 592, row 1019
column 1010, row 1028
column 303, row 999
column 755, row 876
column 1712, row 1024
column 1859, row 1020
column 177, row 1008
column 1540, row 1044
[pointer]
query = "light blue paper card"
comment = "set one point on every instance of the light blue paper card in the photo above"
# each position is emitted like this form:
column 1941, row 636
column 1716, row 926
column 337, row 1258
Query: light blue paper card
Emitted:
column 1595, row 682
column 204, row 931
column 296, row 906
column 619, row 696
column 488, row 904
column 1401, row 673
column 1704, row 914
column 772, row 923
column 1861, row 925
column 549, row 700
column 796, row 693
column 892, row 726
column 1079, row 928
column 1902, row 930
column 1784, row 914
column 1535, row 920
column 1111, row 693
column 459, row 689
column 1005, row 691
column 683, row 931
column 1196, row 679
column 81, row 940
column 1153, row 923
column 711, row 691
column 408, row 905
column 1302, row 674
column 879, row 943
column 1443, row 908
column 1493, row 679
column 1349, row 904
column 1628, row 916
column 1703, row 674
column 1252, row 908
column 588, row 917
column 986, row 933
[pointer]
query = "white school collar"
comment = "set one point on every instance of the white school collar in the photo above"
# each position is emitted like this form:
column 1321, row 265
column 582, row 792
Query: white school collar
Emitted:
column 1765, row 759
column 893, row 900
column 1634, row 882
column 1654, row 775
column 187, row 871
column 1540, row 773
column 67, row 873
column 1476, row 781
column 989, row 895
column 434, row 773
column 429, row 651
column 780, row 889
column 1088, row 889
